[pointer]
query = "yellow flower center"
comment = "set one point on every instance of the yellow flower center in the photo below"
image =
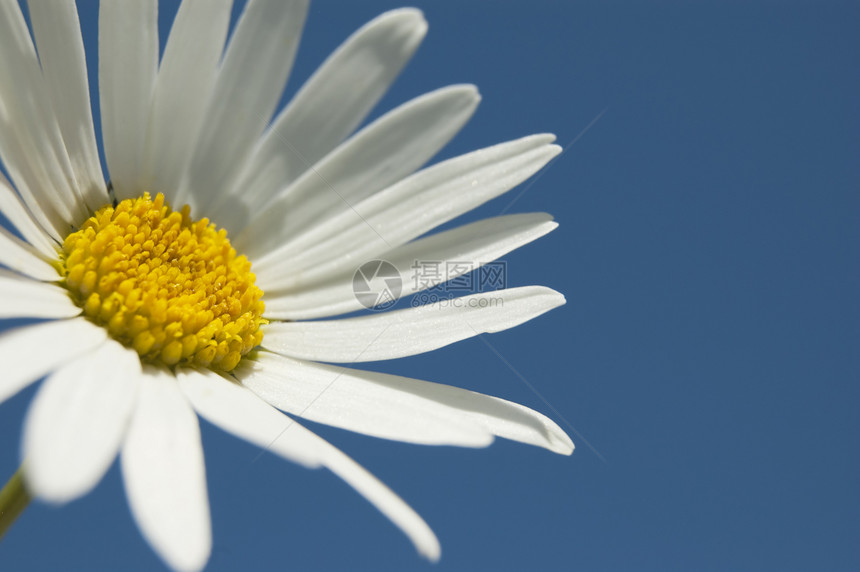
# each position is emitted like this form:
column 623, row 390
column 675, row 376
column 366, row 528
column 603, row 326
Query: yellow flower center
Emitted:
column 169, row 287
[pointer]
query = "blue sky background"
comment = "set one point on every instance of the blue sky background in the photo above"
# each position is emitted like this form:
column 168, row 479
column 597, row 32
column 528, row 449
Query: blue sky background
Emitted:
column 708, row 352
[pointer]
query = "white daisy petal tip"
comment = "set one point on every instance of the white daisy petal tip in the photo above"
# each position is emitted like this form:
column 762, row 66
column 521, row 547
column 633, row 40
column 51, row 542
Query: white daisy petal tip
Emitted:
column 51, row 491
column 404, row 28
column 467, row 92
column 543, row 138
column 548, row 220
column 543, row 299
column 76, row 422
column 548, row 227
column 408, row 21
column 428, row 546
column 554, row 298
column 164, row 473
column 558, row 441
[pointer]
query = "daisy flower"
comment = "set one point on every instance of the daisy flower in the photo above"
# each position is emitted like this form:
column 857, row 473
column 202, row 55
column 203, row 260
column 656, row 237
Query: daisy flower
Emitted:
column 206, row 277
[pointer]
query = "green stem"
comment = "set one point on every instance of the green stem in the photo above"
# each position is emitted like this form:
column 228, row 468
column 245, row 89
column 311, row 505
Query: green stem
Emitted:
column 13, row 500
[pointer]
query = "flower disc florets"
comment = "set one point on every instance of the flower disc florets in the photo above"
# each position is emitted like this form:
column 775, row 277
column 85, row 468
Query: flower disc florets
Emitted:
column 169, row 287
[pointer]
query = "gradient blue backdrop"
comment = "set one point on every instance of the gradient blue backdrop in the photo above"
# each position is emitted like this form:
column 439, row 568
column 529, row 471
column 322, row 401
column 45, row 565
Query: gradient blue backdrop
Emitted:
column 708, row 351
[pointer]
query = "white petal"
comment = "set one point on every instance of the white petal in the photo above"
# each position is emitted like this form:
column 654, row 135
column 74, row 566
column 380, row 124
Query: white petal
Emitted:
column 21, row 257
column 417, row 204
column 24, row 298
column 382, row 153
column 249, row 84
column 334, row 101
column 128, row 60
column 164, row 473
column 326, row 289
column 61, row 52
column 30, row 141
column 395, row 407
column 354, row 400
column 184, row 84
column 20, row 216
column 240, row 412
column 410, row 331
column 30, row 352
column 77, row 421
